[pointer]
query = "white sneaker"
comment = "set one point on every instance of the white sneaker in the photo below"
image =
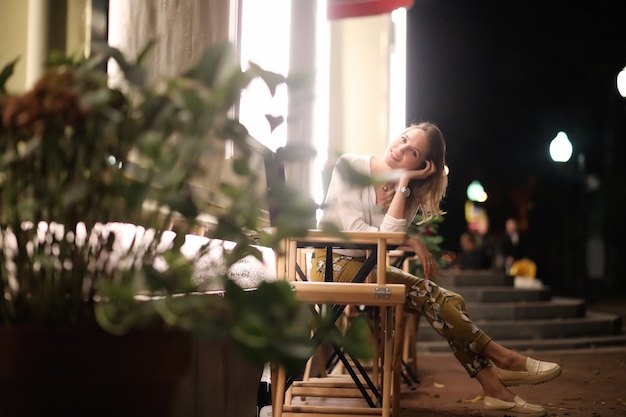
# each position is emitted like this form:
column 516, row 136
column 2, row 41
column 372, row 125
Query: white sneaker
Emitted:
column 517, row 408
column 537, row 372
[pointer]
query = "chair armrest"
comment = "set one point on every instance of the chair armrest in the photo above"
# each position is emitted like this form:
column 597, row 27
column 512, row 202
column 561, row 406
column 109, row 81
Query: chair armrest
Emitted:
column 349, row 293
column 316, row 236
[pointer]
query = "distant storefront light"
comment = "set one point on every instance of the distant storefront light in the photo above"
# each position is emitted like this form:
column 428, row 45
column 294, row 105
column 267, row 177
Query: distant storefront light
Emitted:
column 476, row 192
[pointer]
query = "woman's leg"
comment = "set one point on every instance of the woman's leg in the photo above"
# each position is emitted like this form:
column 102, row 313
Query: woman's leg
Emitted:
column 504, row 358
column 344, row 267
column 492, row 386
column 446, row 312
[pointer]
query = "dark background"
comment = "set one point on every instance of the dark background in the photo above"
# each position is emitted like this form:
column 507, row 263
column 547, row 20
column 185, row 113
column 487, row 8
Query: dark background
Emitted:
column 501, row 79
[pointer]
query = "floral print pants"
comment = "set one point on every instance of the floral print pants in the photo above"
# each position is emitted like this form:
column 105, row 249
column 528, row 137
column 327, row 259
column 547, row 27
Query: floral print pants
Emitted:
column 445, row 310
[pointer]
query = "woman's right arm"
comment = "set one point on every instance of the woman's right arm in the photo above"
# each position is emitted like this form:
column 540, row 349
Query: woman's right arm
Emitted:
column 346, row 204
column 343, row 206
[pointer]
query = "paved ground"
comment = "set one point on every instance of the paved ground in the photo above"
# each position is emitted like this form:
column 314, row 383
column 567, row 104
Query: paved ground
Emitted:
column 593, row 384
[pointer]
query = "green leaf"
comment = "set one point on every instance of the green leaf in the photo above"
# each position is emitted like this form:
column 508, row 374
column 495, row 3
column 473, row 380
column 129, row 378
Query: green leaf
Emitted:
column 144, row 52
column 274, row 121
column 241, row 167
column 291, row 153
column 359, row 339
column 271, row 79
column 214, row 63
column 6, row 73
column 133, row 72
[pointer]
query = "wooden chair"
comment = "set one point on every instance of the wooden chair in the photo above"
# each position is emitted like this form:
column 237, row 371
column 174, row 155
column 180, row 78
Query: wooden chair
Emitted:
column 375, row 392
column 401, row 258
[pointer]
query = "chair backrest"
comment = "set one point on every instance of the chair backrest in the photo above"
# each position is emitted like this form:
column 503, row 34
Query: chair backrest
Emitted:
column 273, row 171
column 275, row 179
column 276, row 182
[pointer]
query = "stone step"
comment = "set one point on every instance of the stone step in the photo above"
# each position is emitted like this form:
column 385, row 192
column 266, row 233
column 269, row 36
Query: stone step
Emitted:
column 492, row 294
column 470, row 278
column 522, row 314
column 556, row 308
column 566, row 343
column 592, row 324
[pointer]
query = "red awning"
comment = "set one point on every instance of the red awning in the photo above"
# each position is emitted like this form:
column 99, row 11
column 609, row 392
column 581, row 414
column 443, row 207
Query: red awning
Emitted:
column 339, row 9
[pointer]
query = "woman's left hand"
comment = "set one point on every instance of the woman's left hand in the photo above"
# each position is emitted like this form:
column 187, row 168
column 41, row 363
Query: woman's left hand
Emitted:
column 431, row 269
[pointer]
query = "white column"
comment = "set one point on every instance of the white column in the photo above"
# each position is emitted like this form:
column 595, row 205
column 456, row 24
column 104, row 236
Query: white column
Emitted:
column 36, row 40
column 300, row 114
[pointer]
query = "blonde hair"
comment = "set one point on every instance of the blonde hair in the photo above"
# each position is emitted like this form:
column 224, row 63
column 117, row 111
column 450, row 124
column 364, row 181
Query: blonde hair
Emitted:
column 427, row 194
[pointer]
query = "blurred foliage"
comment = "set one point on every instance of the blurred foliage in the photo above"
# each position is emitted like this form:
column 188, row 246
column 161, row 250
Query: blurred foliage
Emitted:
column 428, row 232
column 93, row 176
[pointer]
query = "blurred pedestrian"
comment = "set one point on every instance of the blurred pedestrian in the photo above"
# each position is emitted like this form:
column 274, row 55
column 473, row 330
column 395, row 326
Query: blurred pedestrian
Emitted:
column 472, row 254
column 513, row 244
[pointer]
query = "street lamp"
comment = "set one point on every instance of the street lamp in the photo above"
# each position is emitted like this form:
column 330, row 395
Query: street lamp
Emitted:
column 621, row 82
column 561, row 148
column 561, row 151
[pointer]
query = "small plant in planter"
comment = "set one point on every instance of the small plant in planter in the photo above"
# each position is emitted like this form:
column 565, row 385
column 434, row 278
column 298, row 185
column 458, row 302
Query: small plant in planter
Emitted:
column 428, row 232
column 91, row 178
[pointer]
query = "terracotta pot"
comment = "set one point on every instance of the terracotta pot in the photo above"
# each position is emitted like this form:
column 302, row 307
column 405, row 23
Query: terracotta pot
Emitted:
column 222, row 383
column 92, row 373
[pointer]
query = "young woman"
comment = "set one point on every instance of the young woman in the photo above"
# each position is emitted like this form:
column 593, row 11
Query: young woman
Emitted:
column 416, row 161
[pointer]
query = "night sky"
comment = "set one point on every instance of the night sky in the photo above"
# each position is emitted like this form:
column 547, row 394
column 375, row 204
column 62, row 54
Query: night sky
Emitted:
column 501, row 79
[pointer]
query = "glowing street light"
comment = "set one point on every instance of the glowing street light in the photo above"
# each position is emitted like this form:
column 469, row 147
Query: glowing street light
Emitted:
column 561, row 148
column 621, row 82
column 561, row 151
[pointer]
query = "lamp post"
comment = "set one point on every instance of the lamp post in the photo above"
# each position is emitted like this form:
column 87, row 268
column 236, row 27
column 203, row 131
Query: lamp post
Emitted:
column 561, row 151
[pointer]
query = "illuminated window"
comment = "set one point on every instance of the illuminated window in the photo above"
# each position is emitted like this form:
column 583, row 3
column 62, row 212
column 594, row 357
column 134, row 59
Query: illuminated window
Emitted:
column 397, row 71
column 265, row 41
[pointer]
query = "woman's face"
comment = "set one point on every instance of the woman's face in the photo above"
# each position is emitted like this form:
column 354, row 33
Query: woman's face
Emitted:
column 407, row 151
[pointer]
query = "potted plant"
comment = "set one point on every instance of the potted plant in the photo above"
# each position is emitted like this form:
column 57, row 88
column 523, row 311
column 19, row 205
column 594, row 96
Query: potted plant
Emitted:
column 92, row 177
column 428, row 232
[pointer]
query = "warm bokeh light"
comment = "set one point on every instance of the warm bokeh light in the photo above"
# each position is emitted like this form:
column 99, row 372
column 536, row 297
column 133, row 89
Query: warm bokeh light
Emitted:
column 476, row 192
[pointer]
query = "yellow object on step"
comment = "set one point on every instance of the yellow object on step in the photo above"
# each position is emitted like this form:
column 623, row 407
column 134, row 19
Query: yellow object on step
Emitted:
column 524, row 267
